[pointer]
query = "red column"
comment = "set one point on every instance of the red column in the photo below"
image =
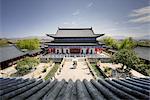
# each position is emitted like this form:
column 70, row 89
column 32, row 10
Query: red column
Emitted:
column 87, row 50
column 54, row 50
column 96, row 50
column 100, row 50
column 49, row 50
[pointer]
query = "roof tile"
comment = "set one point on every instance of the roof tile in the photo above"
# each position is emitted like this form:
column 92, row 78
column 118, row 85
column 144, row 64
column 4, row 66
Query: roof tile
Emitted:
column 115, row 89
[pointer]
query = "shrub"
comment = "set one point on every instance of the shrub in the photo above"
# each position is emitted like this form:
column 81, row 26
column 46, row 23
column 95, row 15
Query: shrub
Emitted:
column 24, row 66
column 108, row 71
column 143, row 68
column 95, row 68
column 23, row 69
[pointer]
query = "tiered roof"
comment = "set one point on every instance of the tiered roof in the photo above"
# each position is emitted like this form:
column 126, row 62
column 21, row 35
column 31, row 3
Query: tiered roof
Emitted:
column 31, row 89
column 74, row 37
column 75, row 32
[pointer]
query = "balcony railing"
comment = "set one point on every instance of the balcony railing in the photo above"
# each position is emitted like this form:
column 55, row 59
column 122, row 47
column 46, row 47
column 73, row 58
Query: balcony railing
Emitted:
column 102, row 55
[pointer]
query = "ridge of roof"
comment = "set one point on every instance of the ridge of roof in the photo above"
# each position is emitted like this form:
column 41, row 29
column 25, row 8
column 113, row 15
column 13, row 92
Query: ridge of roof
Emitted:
column 60, row 28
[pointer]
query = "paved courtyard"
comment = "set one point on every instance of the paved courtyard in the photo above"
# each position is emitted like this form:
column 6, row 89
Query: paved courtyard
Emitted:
column 81, row 72
column 38, row 72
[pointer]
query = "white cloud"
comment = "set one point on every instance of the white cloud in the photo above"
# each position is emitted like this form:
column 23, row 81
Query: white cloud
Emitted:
column 140, row 12
column 119, row 31
column 141, row 15
column 90, row 4
column 77, row 12
column 143, row 19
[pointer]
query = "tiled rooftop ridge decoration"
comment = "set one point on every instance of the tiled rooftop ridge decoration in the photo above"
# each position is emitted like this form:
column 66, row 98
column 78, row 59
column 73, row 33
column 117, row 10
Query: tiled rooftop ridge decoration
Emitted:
column 32, row 89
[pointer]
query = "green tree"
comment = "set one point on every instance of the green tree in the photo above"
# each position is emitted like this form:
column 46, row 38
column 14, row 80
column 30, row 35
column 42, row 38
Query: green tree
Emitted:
column 111, row 42
column 29, row 44
column 145, row 43
column 126, row 57
column 127, row 43
column 108, row 41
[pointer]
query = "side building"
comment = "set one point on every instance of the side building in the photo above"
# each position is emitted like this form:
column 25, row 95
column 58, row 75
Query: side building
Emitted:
column 9, row 55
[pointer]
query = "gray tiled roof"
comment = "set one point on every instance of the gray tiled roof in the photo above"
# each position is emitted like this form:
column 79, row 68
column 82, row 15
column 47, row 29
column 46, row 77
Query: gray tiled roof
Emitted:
column 34, row 51
column 31, row 89
column 10, row 52
column 73, row 44
column 75, row 32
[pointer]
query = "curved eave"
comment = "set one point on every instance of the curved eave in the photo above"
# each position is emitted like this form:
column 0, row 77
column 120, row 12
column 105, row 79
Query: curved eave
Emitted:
column 52, row 35
column 99, row 35
column 72, row 44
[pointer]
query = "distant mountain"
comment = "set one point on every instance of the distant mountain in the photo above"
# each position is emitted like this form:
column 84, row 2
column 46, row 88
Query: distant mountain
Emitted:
column 115, row 37
column 145, row 37
column 30, row 37
column 119, row 37
column 14, row 40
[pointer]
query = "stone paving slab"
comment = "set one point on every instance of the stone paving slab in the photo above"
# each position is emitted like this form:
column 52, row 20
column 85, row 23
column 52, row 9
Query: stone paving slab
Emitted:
column 81, row 72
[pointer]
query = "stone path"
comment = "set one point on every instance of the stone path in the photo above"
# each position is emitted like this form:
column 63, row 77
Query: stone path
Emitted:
column 81, row 72
column 8, row 71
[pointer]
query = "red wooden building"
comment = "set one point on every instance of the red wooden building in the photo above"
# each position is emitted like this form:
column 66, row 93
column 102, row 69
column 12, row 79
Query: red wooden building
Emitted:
column 75, row 41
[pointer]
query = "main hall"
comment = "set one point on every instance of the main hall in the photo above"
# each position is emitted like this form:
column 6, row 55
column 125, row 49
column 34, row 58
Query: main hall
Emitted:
column 74, row 41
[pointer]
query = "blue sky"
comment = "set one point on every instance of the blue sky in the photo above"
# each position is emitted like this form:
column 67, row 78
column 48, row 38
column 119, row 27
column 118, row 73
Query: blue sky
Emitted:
column 22, row 18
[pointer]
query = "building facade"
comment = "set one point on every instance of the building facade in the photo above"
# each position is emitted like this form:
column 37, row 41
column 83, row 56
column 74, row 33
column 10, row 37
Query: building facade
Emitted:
column 74, row 41
column 10, row 55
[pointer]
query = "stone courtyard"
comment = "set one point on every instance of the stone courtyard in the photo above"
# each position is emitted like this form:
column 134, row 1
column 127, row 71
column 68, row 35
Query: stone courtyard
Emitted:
column 81, row 72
